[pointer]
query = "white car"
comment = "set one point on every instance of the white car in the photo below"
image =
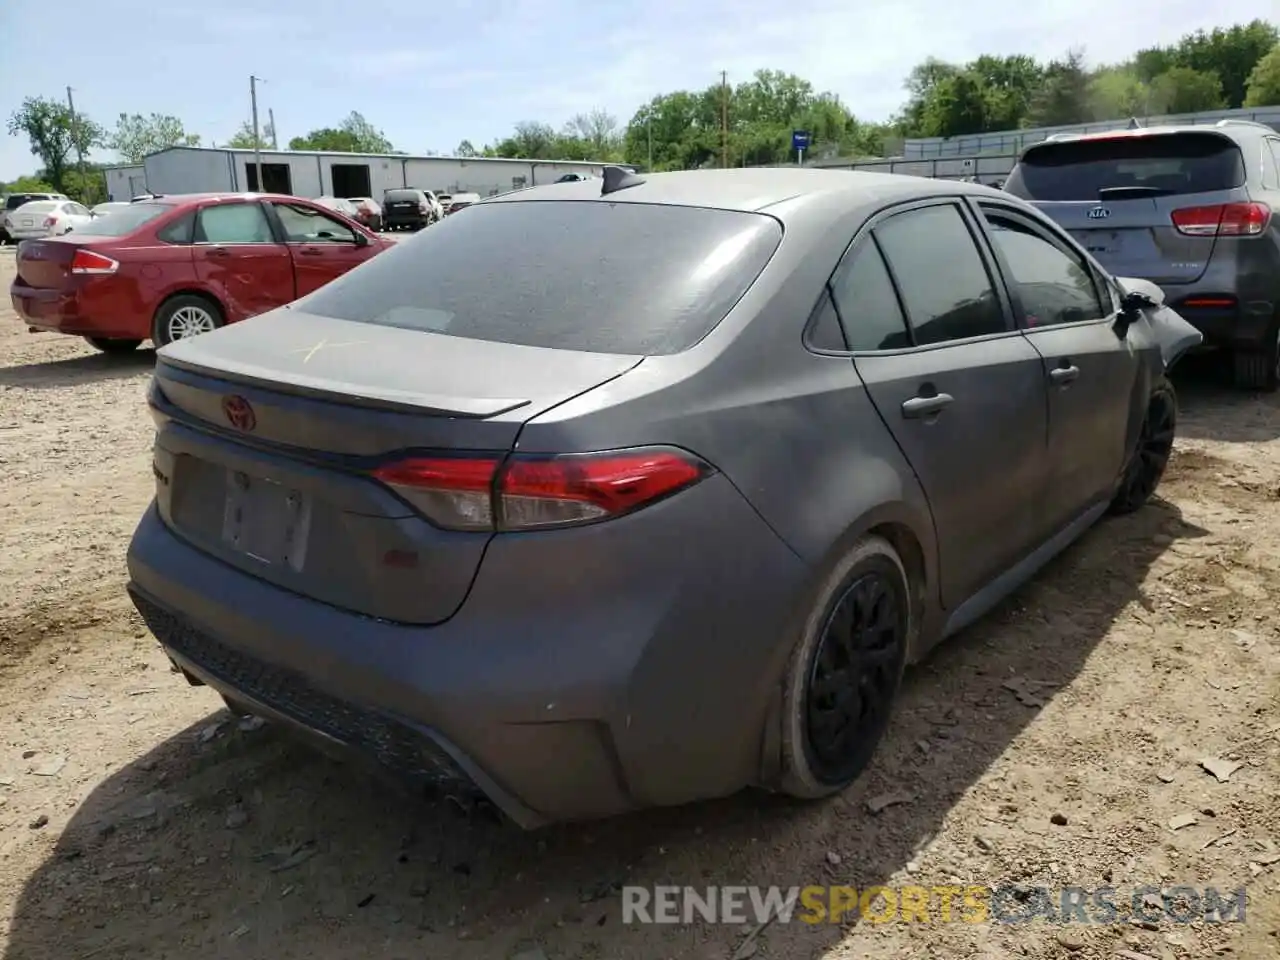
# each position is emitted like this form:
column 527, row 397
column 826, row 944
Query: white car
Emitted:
column 46, row 218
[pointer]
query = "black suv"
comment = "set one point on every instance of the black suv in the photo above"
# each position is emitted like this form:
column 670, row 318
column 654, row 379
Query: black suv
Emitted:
column 409, row 208
column 1194, row 209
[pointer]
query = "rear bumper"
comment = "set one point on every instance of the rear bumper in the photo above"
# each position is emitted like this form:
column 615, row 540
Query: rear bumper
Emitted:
column 1239, row 326
column 63, row 311
column 560, row 692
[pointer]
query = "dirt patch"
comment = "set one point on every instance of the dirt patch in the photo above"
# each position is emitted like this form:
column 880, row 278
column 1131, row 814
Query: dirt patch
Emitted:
column 1050, row 746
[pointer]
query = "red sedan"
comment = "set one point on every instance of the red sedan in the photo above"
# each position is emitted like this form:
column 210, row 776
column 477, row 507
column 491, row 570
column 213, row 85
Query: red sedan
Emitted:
column 174, row 267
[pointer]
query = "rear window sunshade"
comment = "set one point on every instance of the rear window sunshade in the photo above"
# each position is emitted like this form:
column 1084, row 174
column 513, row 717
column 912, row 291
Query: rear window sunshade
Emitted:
column 626, row 278
column 1158, row 165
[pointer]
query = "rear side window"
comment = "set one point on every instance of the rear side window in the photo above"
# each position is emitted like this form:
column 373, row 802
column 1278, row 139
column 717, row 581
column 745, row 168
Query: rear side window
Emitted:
column 627, row 278
column 125, row 220
column 1131, row 166
column 945, row 287
column 181, row 230
column 868, row 305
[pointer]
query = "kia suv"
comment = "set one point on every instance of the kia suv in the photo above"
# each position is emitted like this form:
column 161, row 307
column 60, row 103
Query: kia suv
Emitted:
column 1190, row 208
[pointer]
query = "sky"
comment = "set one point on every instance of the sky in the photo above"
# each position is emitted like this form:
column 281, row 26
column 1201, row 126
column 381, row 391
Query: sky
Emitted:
column 433, row 74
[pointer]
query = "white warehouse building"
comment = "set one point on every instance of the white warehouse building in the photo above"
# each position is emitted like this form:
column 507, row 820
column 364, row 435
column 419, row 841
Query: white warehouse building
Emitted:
column 306, row 173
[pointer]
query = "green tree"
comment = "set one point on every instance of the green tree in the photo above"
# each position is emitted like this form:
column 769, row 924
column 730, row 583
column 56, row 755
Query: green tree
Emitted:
column 55, row 135
column 135, row 136
column 465, row 149
column 1230, row 52
column 31, row 183
column 1119, row 91
column 1184, row 90
column 1063, row 97
column 354, row 135
column 598, row 131
column 1264, row 81
column 243, row 138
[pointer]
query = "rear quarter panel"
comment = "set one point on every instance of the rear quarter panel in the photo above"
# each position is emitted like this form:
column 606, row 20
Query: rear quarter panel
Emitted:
column 150, row 272
column 793, row 431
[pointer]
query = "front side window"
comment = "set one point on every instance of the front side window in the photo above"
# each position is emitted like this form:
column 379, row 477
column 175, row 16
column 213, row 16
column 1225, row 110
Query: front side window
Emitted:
column 1053, row 286
column 308, row 225
column 233, row 223
column 944, row 283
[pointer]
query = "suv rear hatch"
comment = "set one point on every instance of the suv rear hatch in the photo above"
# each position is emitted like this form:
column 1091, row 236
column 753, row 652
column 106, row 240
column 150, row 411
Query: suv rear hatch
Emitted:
column 1145, row 204
column 403, row 205
column 280, row 439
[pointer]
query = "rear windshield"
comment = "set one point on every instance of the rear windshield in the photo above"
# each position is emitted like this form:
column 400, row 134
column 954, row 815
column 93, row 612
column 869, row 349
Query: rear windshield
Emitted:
column 403, row 195
column 117, row 223
column 38, row 206
column 1159, row 165
column 18, row 199
column 624, row 278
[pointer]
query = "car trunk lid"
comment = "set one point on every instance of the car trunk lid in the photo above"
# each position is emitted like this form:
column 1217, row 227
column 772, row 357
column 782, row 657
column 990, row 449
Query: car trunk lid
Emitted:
column 46, row 263
column 269, row 431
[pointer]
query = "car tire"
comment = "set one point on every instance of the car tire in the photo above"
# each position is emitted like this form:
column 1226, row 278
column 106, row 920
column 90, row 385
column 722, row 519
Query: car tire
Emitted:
column 1258, row 369
column 188, row 311
column 1150, row 455
column 862, row 611
column 113, row 345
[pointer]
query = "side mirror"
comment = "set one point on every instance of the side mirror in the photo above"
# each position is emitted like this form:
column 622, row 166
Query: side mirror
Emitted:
column 1134, row 302
column 361, row 239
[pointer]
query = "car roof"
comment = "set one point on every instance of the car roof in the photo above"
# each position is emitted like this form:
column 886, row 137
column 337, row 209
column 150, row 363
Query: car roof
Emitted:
column 754, row 189
column 1233, row 130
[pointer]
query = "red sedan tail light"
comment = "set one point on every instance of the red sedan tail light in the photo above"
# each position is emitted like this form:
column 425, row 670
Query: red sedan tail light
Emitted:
column 1223, row 220
column 532, row 492
column 86, row 261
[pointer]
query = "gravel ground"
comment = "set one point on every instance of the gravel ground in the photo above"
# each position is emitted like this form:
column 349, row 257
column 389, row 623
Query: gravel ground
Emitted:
column 1056, row 743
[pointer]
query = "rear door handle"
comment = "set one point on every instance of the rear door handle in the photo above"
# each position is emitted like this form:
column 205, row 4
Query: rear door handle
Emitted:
column 1064, row 375
column 219, row 252
column 918, row 407
column 310, row 251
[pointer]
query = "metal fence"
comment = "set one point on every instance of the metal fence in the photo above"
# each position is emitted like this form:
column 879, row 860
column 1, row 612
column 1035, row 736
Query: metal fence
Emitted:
column 1015, row 141
column 984, row 169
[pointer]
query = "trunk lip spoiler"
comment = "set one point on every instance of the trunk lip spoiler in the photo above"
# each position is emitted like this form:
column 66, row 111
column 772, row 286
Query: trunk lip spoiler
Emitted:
column 465, row 408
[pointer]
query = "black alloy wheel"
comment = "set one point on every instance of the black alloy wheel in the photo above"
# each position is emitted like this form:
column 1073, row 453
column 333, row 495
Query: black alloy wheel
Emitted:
column 1155, row 444
column 854, row 675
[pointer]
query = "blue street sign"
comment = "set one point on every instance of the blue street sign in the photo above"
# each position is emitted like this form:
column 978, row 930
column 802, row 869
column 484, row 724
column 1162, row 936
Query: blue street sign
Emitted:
column 799, row 139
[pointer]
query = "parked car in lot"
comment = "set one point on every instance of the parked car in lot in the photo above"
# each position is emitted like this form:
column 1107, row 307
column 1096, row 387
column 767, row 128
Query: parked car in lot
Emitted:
column 460, row 201
column 46, row 218
column 178, row 266
column 368, row 212
column 1191, row 208
column 111, row 206
column 13, row 201
column 596, row 533
column 410, row 209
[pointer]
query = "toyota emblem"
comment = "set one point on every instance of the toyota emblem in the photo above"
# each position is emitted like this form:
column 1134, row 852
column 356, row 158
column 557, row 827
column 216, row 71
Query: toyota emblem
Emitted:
column 239, row 414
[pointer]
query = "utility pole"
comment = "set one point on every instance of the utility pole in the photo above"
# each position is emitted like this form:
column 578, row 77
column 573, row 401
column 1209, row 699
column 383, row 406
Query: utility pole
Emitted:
column 79, row 141
column 271, row 119
column 257, row 143
column 724, row 118
column 649, row 125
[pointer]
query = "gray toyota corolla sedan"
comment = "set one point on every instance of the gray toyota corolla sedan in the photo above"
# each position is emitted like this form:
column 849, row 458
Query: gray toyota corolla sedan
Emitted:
column 640, row 490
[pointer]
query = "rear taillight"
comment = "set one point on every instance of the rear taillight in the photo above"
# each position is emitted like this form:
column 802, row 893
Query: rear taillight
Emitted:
column 531, row 492
column 86, row 261
column 50, row 222
column 1223, row 220
column 423, row 207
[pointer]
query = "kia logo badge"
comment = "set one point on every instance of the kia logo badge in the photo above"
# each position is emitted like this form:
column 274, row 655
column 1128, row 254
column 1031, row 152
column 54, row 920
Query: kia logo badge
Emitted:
column 239, row 414
column 1099, row 213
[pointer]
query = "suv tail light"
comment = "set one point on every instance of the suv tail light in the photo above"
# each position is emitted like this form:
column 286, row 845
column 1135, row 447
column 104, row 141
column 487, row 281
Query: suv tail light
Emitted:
column 424, row 208
column 536, row 492
column 1223, row 220
column 86, row 261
